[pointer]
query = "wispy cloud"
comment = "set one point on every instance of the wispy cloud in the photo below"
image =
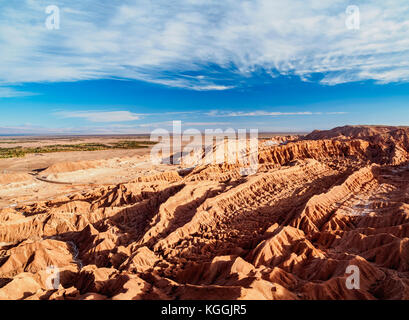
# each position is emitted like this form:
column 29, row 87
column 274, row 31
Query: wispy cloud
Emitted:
column 265, row 113
column 8, row 92
column 211, row 87
column 169, row 124
column 261, row 113
column 173, row 43
column 100, row 116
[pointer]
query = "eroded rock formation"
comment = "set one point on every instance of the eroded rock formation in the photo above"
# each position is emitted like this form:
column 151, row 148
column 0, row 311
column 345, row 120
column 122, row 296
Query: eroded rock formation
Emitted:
column 316, row 205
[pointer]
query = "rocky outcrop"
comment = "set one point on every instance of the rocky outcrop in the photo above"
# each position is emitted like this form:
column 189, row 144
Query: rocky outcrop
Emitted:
column 316, row 206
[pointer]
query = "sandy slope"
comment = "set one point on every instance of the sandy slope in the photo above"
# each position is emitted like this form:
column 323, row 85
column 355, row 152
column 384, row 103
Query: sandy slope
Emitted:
column 317, row 205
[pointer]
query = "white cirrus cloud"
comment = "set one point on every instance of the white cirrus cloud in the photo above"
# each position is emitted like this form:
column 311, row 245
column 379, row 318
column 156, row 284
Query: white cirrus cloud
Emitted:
column 100, row 116
column 186, row 43
column 9, row 92
column 261, row 113
column 266, row 113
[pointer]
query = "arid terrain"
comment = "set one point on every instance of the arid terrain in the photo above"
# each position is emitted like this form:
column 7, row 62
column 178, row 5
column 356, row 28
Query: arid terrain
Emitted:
column 119, row 227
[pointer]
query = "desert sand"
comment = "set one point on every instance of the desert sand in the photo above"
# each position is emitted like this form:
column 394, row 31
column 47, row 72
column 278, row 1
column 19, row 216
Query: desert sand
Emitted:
column 118, row 227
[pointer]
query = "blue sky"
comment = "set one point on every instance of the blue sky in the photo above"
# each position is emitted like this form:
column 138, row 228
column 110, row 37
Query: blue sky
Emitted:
column 135, row 65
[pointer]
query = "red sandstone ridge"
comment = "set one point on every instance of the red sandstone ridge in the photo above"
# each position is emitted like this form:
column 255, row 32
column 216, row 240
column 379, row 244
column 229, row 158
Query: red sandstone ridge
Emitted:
column 316, row 205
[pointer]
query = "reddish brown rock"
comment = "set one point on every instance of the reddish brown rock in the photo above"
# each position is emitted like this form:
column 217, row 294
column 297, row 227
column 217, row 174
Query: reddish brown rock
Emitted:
column 317, row 205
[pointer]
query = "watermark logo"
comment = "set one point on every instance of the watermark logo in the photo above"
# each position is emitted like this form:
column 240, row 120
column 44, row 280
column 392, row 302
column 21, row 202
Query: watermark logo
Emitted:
column 353, row 280
column 215, row 146
column 353, row 20
column 53, row 20
column 53, row 280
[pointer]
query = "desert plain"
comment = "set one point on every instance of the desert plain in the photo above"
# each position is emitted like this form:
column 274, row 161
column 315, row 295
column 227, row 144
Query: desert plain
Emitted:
column 117, row 226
